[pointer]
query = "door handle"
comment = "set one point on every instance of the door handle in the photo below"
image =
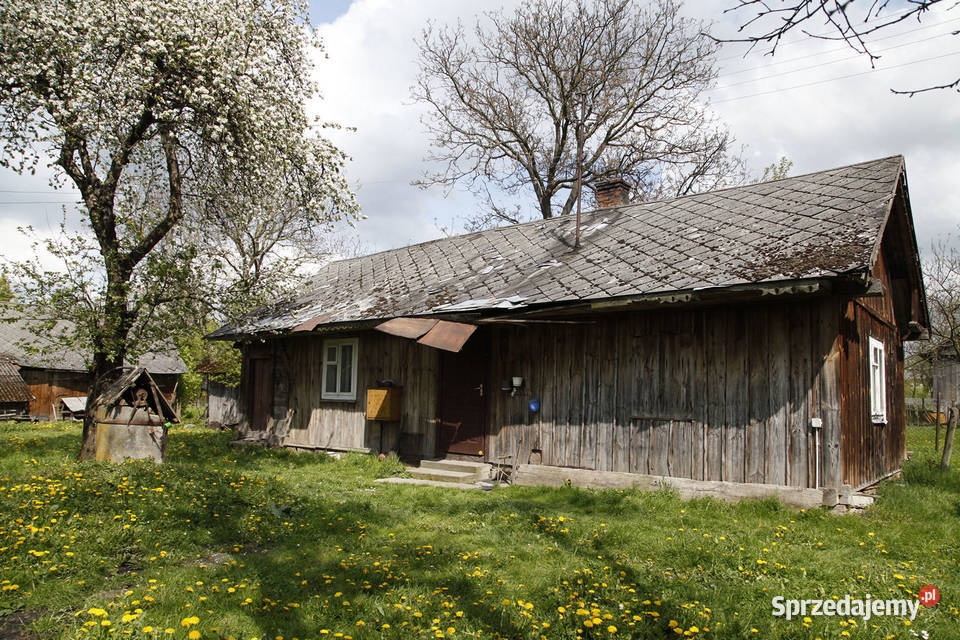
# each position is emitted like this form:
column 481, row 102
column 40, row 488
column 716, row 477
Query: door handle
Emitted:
column 480, row 389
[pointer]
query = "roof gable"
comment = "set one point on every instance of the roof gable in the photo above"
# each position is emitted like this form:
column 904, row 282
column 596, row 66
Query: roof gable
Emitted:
column 811, row 226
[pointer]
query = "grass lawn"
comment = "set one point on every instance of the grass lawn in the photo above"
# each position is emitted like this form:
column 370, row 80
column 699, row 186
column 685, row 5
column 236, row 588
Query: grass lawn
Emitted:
column 220, row 543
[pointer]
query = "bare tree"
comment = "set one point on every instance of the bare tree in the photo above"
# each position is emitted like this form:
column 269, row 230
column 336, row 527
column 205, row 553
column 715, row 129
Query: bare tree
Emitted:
column 505, row 100
column 941, row 275
column 843, row 20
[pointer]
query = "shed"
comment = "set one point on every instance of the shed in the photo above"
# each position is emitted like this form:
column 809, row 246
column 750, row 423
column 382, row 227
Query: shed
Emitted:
column 946, row 378
column 15, row 395
column 51, row 371
column 73, row 408
column 132, row 417
column 748, row 335
column 220, row 399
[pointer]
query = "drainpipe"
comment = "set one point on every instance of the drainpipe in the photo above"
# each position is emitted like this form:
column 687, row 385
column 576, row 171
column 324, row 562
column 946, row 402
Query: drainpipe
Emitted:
column 817, row 425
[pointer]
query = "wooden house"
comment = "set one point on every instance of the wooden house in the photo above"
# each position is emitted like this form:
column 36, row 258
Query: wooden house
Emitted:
column 748, row 335
column 52, row 372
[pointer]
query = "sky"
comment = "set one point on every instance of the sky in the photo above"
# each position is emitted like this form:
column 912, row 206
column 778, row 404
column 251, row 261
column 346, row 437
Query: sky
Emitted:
column 815, row 102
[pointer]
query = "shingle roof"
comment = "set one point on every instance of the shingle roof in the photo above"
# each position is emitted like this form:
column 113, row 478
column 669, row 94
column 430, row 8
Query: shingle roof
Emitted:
column 28, row 346
column 12, row 386
column 810, row 226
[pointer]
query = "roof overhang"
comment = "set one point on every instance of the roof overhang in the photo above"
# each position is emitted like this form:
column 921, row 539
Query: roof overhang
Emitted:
column 450, row 331
column 858, row 283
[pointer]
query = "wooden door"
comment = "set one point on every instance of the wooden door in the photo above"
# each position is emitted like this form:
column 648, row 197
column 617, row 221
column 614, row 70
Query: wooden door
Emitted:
column 261, row 383
column 463, row 379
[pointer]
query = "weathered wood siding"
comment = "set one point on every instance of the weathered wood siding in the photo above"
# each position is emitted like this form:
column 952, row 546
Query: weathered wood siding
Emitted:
column 711, row 394
column 301, row 418
column 717, row 393
column 870, row 450
column 946, row 382
column 223, row 404
column 49, row 385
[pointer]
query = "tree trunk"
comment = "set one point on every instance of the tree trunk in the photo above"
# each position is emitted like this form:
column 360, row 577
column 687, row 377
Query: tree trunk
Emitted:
column 545, row 209
column 948, row 440
column 98, row 373
column 110, row 347
column 936, row 437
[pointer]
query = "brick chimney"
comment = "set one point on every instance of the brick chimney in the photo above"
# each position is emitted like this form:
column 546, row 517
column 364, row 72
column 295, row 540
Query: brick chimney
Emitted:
column 613, row 192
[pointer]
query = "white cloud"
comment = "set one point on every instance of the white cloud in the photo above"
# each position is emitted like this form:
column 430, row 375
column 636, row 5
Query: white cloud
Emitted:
column 365, row 75
column 371, row 65
column 827, row 124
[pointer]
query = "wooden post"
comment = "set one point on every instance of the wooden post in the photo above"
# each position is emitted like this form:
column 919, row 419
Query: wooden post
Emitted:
column 948, row 441
column 936, row 421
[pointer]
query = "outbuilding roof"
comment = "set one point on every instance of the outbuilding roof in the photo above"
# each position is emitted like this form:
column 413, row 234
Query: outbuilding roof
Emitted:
column 24, row 342
column 13, row 389
column 818, row 225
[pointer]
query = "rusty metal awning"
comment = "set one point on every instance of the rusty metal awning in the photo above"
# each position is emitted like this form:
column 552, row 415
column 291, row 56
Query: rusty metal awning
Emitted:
column 312, row 323
column 411, row 328
column 439, row 334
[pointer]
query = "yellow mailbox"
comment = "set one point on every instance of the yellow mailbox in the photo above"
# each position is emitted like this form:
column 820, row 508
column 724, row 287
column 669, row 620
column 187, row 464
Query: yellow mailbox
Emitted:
column 384, row 403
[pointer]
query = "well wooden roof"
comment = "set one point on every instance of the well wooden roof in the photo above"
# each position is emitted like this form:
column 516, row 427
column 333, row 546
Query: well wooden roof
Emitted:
column 819, row 225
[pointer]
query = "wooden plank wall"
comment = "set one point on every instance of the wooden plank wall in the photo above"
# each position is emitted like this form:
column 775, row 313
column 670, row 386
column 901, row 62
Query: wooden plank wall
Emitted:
column 870, row 450
column 223, row 404
column 723, row 393
column 709, row 394
column 946, row 382
column 300, row 418
column 49, row 385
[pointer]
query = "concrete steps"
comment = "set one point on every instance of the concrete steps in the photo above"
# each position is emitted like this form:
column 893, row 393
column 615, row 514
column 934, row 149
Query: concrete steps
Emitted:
column 477, row 486
column 444, row 470
column 442, row 475
column 455, row 472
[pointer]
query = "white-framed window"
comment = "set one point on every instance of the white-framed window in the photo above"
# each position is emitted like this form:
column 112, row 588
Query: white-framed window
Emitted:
column 339, row 369
column 878, row 382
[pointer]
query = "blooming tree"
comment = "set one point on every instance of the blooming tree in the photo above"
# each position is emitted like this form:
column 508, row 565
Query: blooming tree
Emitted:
column 115, row 95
